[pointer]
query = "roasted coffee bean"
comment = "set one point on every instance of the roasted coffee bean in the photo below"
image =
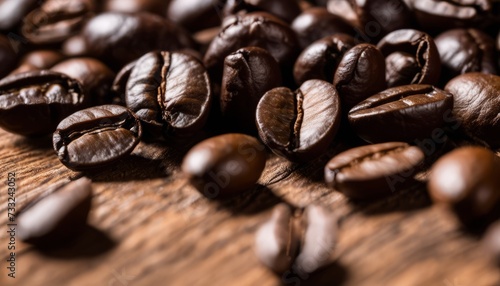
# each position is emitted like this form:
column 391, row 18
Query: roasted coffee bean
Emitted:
column 189, row 13
column 13, row 11
column 170, row 93
column 96, row 136
column 257, row 29
column 466, row 50
column 403, row 113
column 57, row 217
column 299, row 125
column 38, row 60
column 374, row 171
column 359, row 75
column 225, row 165
column 317, row 23
column 345, row 10
column 8, row 56
column 491, row 243
column 466, row 180
column 95, row 77
column 476, row 105
column 57, row 20
column 119, row 86
column 136, row 6
column 129, row 36
column 248, row 74
column 411, row 58
column 284, row 9
column 34, row 103
column 321, row 58
column 302, row 242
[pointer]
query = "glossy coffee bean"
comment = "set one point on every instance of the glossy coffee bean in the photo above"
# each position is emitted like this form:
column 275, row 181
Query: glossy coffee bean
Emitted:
column 403, row 113
column 38, row 60
column 299, row 125
column 8, row 56
column 466, row 180
column 13, row 11
column 136, row 6
column 95, row 77
column 317, row 23
column 491, row 243
column 34, row 103
column 248, row 74
column 411, row 58
column 477, row 105
column 96, row 136
column 359, row 75
column 466, row 50
column 188, row 13
column 58, row 217
column 374, row 171
column 301, row 243
column 57, row 20
column 225, row 165
column 119, row 86
column 321, row 58
column 283, row 9
column 170, row 93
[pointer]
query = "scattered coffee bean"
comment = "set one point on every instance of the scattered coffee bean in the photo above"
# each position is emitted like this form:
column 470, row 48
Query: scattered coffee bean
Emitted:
column 225, row 165
column 283, row 9
column 13, row 11
column 96, row 136
column 136, row 6
column 38, row 60
column 188, row 14
column 299, row 125
column 57, row 217
column 374, row 171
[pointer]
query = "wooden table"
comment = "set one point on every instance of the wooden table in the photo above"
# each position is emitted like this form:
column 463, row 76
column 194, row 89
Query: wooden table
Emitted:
column 149, row 227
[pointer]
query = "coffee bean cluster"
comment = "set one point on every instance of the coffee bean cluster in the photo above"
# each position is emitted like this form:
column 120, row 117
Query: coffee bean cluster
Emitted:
column 405, row 86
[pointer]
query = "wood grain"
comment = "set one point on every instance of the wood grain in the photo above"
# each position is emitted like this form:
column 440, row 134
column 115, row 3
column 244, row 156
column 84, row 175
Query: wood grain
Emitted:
column 149, row 227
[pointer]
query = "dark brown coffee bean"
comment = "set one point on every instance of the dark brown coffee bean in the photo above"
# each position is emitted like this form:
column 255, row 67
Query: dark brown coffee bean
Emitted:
column 248, row 74
column 476, row 105
column 321, row 58
column 189, row 13
column 374, row 171
column 302, row 242
column 170, row 93
column 13, row 11
column 34, row 103
column 359, row 75
column 119, row 86
column 403, row 113
column 491, row 243
column 225, row 165
column 57, row 20
column 299, row 125
column 95, row 77
column 411, row 58
column 57, row 217
column 466, row 180
column 283, row 9
column 136, row 6
column 8, row 56
column 96, row 136
column 38, row 60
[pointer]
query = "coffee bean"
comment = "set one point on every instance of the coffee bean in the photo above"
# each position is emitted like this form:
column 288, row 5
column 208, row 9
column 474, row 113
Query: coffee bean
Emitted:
column 411, row 58
column 8, row 56
column 466, row 180
column 96, row 136
column 38, row 60
column 403, row 113
column 136, row 6
column 248, row 74
column 34, row 103
column 57, row 20
column 359, row 75
column 476, row 106
column 299, row 125
column 302, row 242
column 374, row 171
column 225, row 165
column 170, row 93
column 491, row 243
column 13, row 11
column 320, row 60
column 58, row 217
column 283, row 9
column 119, row 86
column 189, row 13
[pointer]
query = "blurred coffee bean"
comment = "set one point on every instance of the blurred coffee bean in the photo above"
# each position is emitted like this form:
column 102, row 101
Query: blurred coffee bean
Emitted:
column 8, row 56
column 466, row 181
column 248, row 74
column 170, row 93
column 13, row 11
column 136, row 6
column 119, row 86
column 411, row 58
column 374, row 171
column 225, row 165
column 345, row 10
column 466, row 50
column 58, row 217
column 34, row 103
column 299, row 125
column 38, row 60
column 320, row 59
column 360, row 74
column 286, row 10
column 491, row 243
column 96, row 137
column 476, row 105
column 189, row 13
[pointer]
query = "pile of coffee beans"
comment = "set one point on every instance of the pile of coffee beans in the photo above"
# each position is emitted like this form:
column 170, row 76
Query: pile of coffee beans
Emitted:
column 404, row 86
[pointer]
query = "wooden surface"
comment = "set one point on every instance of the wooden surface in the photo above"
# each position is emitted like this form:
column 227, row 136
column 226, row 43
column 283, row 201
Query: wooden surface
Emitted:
column 149, row 227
